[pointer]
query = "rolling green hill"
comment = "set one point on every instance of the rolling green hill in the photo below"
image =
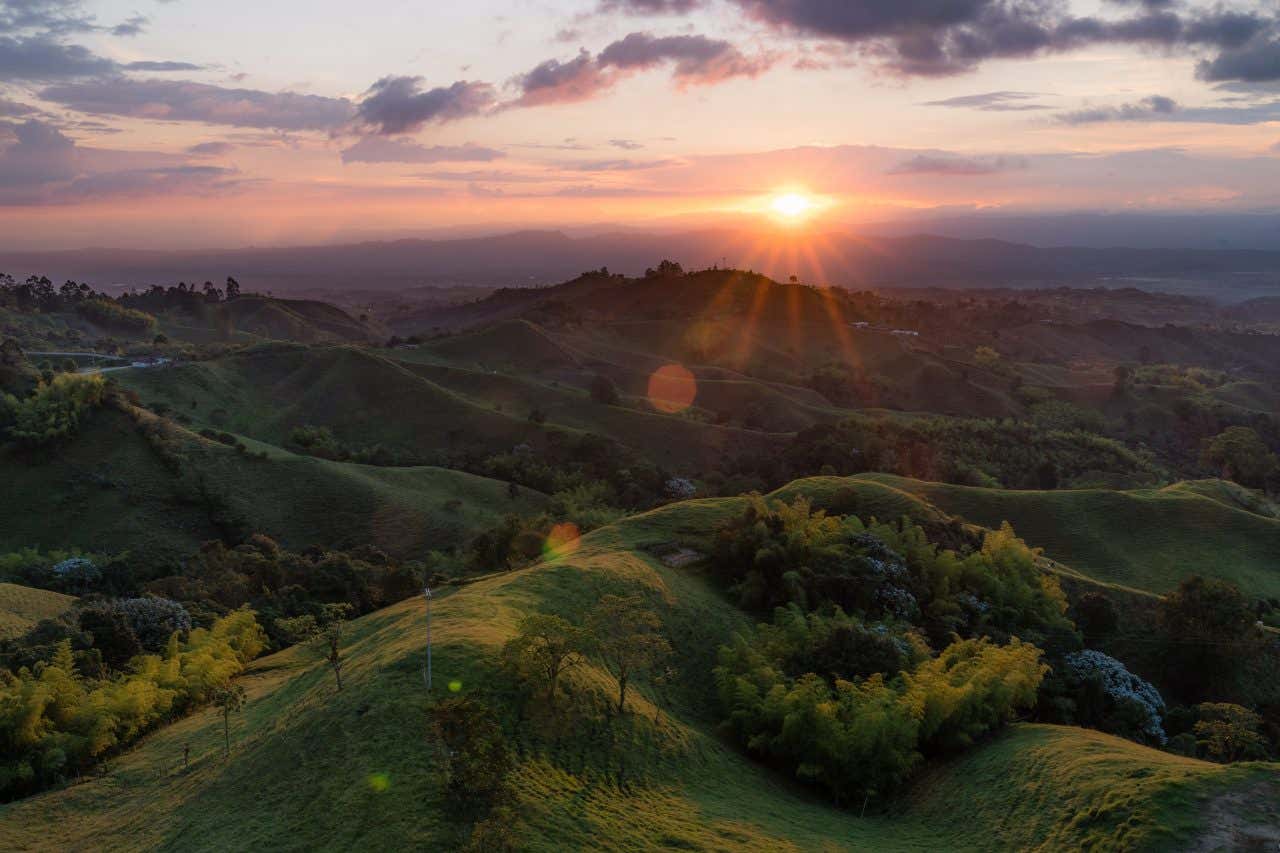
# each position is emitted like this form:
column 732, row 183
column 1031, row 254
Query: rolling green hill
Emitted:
column 122, row 486
column 1147, row 539
column 21, row 607
column 315, row 769
column 366, row 398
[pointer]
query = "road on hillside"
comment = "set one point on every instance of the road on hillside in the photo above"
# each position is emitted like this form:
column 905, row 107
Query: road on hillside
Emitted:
column 139, row 364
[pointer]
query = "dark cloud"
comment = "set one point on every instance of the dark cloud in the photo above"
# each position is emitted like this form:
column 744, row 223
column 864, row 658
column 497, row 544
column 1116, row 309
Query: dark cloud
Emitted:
column 51, row 17
column 133, row 26
column 400, row 105
column 148, row 65
column 1256, row 62
column 556, row 82
column 184, row 100
column 1154, row 107
column 373, row 149
column 626, row 144
column 696, row 60
column 41, row 59
column 991, row 102
column 211, row 149
column 946, row 164
column 1159, row 108
column 943, row 37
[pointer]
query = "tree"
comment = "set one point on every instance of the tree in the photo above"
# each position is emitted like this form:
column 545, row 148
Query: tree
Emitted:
column 1230, row 733
column 544, row 649
column 154, row 620
column 233, row 289
column 628, row 639
column 112, row 635
column 228, row 698
column 603, row 391
column 322, row 635
column 477, row 756
column 1208, row 627
column 1241, row 455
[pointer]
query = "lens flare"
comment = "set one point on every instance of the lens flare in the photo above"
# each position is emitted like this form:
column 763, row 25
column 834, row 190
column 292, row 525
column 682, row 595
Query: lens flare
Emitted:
column 379, row 782
column 672, row 388
column 455, row 686
column 561, row 541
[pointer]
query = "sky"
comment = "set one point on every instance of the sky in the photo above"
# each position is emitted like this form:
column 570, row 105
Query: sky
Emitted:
column 174, row 123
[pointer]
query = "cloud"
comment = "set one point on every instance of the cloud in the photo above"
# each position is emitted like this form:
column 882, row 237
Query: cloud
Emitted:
column 696, row 60
column 53, row 17
column 556, row 82
column 40, row 59
column 373, row 149
column 184, row 100
column 211, row 149
column 932, row 164
column 148, row 65
column 41, row 154
column 400, row 105
column 1258, row 61
column 619, row 165
column 44, row 166
column 135, row 183
column 626, row 144
column 1159, row 108
column 991, row 102
column 13, row 109
column 1154, row 107
column 650, row 7
column 131, row 27
column 944, row 37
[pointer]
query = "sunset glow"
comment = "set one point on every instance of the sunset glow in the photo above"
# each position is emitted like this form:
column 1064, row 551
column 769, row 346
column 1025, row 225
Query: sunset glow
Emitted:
column 791, row 205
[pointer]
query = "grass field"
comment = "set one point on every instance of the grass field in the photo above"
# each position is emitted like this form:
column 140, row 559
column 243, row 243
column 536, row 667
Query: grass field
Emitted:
column 1147, row 539
column 315, row 769
column 21, row 607
column 109, row 491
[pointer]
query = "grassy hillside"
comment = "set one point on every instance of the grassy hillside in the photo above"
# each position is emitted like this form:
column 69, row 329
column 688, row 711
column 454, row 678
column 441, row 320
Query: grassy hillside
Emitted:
column 113, row 489
column 314, row 769
column 1148, row 539
column 366, row 398
column 21, row 607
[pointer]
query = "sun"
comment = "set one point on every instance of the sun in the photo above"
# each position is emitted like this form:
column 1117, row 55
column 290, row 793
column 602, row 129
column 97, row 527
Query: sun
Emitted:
column 791, row 205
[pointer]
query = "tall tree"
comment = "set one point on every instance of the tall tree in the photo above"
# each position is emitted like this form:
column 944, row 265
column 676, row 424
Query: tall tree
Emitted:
column 228, row 698
column 628, row 638
column 323, row 635
column 545, row 648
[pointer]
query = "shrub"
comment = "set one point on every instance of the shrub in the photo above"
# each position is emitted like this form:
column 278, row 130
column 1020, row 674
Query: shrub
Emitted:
column 53, row 412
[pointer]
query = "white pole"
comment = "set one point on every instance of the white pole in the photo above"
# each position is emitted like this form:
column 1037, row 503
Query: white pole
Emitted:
column 426, row 592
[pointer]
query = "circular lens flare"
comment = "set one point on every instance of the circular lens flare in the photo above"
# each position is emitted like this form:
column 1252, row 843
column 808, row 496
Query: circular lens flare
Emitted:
column 672, row 388
column 561, row 541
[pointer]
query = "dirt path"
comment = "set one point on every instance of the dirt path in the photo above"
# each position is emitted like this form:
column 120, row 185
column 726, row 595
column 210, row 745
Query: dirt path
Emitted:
column 1245, row 818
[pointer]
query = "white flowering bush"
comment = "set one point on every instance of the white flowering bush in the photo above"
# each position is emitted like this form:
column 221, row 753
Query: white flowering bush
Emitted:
column 154, row 619
column 1122, row 687
column 77, row 572
column 680, row 488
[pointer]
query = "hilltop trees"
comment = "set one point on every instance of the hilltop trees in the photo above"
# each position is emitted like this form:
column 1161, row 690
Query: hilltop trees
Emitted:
column 1241, row 455
column 627, row 635
column 544, row 649
column 323, row 634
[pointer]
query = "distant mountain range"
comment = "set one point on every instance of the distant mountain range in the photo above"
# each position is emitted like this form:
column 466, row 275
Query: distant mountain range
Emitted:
column 541, row 257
